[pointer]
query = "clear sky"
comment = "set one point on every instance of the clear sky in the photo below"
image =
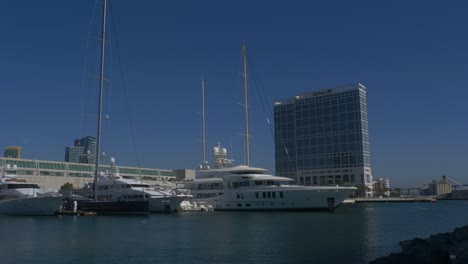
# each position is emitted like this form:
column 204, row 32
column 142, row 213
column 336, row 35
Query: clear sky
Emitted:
column 411, row 55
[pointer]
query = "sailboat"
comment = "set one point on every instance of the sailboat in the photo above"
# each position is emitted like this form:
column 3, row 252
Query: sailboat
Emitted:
column 112, row 193
column 245, row 188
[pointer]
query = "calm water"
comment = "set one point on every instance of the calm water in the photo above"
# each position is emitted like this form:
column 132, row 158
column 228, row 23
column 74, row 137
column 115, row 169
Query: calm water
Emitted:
column 352, row 234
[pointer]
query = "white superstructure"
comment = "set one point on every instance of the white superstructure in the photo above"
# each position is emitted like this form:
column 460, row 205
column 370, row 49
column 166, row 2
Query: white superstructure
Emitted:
column 228, row 187
column 22, row 198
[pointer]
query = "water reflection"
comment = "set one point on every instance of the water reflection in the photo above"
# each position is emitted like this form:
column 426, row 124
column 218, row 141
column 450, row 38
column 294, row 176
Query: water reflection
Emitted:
column 354, row 233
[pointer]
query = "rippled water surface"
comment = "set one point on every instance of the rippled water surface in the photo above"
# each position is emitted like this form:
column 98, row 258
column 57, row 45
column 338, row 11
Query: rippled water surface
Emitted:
column 354, row 233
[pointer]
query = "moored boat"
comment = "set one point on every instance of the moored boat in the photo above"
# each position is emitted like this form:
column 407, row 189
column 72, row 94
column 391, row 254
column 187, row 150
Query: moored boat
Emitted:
column 228, row 187
column 19, row 197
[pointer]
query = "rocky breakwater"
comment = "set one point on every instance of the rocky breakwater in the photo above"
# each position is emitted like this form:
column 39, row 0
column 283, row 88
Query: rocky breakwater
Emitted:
column 450, row 248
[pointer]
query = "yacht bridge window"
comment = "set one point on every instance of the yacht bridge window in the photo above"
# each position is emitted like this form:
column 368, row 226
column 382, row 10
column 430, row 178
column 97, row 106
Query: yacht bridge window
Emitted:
column 240, row 184
column 140, row 185
column 210, row 186
column 247, row 172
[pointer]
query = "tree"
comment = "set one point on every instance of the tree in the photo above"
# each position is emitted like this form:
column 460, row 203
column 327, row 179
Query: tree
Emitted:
column 67, row 186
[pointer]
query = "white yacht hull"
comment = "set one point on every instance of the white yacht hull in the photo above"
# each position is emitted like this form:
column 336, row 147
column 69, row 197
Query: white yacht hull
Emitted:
column 165, row 204
column 31, row 206
column 283, row 199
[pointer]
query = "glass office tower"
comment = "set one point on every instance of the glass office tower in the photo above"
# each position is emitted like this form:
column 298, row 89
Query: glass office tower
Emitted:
column 322, row 137
column 83, row 151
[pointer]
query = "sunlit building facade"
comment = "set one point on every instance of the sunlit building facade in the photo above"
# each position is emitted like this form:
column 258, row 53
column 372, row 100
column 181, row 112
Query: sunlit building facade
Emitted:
column 53, row 174
column 13, row 152
column 322, row 137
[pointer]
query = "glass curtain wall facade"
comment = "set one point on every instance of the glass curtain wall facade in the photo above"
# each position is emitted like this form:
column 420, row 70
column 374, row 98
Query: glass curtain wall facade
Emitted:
column 83, row 151
column 73, row 154
column 322, row 138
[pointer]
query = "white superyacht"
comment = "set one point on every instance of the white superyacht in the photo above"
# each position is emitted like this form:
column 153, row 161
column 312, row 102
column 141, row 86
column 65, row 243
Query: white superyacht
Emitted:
column 17, row 197
column 228, row 187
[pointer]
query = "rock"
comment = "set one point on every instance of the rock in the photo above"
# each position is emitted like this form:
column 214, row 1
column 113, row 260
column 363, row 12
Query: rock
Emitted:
column 444, row 248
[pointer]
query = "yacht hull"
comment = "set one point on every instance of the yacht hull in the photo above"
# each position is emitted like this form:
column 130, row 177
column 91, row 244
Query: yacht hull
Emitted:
column 165, row 204
column 31, row 206
column 114, row 207
column 280, row 199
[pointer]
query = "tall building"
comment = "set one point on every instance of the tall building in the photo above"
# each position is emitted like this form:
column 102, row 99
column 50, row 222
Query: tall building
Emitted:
column 73, row 154
column 13, row 152
column 322, row 137
column 83, row 151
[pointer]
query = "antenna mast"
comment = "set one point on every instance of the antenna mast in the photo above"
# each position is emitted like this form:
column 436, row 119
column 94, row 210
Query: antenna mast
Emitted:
column 101, row 88
column 244, row 59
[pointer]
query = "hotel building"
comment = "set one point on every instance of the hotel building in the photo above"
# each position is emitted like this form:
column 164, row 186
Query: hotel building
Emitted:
column 322, row 137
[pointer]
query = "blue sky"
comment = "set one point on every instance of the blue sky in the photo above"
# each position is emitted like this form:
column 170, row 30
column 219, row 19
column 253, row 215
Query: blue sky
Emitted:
column 411, row 55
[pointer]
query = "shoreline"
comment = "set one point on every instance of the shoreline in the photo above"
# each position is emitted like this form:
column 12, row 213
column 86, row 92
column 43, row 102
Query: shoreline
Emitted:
column 441, row 248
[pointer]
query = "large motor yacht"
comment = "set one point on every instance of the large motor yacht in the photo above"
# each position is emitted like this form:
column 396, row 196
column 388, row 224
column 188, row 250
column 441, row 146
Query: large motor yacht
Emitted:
column 228, row 187
column 22, row 198
column 113, row 187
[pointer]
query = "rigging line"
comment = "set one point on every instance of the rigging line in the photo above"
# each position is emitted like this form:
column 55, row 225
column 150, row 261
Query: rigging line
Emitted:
column 84, row 91
column 264, row 102
column 262, row 98
column 260, row 85
column 124, row 84
column 109, row 89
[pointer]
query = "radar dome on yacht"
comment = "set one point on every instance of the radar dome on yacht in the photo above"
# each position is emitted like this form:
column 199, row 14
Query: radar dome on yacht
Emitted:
column 224, row 151
column 215, row 150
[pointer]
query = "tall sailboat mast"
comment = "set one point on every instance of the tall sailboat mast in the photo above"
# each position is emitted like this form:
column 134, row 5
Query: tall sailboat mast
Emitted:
column 101, row 88
column 246, row 107
column 203, row 123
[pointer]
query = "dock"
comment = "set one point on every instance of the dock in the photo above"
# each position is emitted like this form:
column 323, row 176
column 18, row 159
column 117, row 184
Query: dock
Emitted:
column 390, row 200
column 77, row 213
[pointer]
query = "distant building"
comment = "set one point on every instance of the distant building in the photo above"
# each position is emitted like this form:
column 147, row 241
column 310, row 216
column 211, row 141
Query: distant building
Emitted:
column 53, row 174
column 184, row 174
column 382, row 187
column 440, row 188
column 73, row 154
column 83, row 151
column 13, row 152
column 322, row 137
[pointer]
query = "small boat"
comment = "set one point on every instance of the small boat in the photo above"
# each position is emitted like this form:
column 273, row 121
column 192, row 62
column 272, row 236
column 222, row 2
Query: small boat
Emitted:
column 17, row 197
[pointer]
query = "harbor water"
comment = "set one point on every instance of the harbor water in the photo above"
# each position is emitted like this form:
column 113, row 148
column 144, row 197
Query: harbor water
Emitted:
column 354, row 233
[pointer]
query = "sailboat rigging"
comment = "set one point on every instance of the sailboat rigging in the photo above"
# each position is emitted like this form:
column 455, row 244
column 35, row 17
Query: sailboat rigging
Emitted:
column 101, row 89
column 112, row 193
